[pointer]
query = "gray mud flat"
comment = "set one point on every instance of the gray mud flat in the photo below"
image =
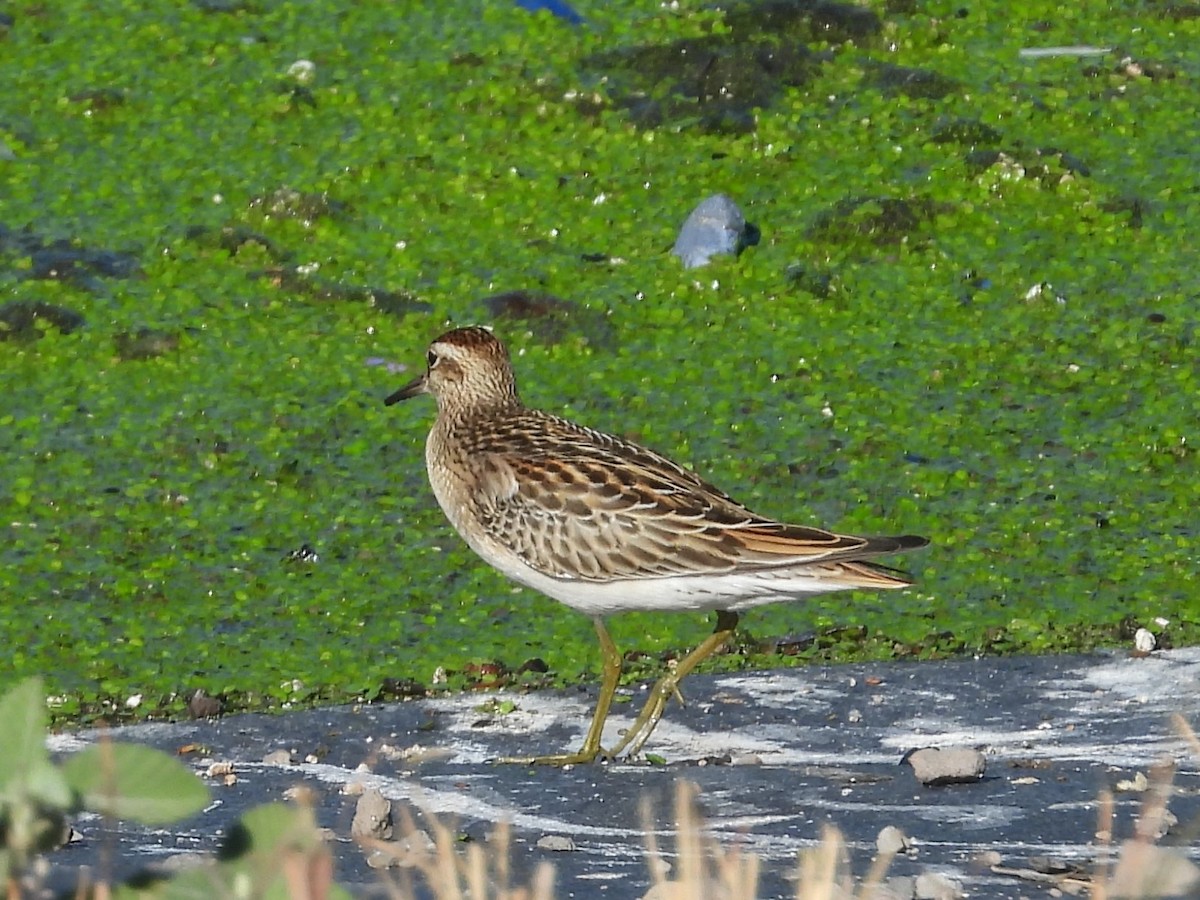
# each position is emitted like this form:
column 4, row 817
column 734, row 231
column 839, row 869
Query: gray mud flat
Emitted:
column 810, row 746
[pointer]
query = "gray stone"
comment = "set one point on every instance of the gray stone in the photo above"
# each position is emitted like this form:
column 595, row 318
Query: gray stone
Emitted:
column 715, row 226
column 934, row 766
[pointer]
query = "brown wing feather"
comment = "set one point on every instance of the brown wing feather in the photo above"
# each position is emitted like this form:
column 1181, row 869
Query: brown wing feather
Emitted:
column 583, row 504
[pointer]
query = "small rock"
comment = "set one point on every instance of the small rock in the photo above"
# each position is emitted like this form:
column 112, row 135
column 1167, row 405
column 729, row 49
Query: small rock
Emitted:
column 27, row 319
column 1144, row 640
column 278, row 758
column 891, row 841
column 715, row 226
column 934, row 886
column 219, row 770
column 559, row 843
column 746, row 759
column 932, row 766
column 372, row 816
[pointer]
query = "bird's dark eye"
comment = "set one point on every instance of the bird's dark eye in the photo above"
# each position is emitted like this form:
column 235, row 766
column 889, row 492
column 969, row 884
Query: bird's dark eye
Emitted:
column 431, row 358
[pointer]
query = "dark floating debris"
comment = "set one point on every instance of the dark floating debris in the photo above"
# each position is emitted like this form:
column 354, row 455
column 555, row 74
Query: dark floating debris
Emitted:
column 967, row 132
column 233, row 238
column 551, row 318
column 304, row 206
column 29, row 319
column 716, row 82
column 145, row 343
column 918, row 84
column 882, row 221
column 64, row 260
column 805, row 277
column 1049, row 166
column 395, row 303
column 99, row 99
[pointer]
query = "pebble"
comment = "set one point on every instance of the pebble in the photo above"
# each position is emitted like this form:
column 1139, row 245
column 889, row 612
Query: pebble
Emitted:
column 219, row 770
column 933, row 766
column 746, row 759
column 559, row 843
column 1144, row 640
column 278, row 758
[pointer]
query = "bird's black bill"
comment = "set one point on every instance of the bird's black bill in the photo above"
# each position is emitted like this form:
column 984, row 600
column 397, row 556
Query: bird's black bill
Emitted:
column 410, row 390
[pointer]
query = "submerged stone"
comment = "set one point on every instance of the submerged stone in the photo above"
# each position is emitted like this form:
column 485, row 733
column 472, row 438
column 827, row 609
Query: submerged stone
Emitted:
column 880, row 220
column 62, row 260
column 392, row 302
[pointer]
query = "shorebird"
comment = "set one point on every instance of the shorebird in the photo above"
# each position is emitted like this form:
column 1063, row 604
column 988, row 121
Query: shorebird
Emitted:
column 606, row 526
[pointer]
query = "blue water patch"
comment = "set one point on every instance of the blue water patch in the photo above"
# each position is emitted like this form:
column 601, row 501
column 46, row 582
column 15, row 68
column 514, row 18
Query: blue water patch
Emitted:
column 557, row 7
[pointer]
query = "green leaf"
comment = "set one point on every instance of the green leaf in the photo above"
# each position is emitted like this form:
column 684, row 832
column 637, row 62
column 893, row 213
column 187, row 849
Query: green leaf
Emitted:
column 48, row 786
column 23, row 737
column 270, row 829
column 273, row 845
column 129, row 781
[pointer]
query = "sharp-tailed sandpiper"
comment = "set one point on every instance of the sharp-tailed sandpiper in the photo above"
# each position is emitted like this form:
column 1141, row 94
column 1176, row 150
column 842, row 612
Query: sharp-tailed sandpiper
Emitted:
column 606, row 526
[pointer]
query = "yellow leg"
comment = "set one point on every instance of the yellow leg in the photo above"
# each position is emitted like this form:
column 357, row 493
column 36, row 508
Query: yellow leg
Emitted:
column 611, row 674
column 668, row 686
